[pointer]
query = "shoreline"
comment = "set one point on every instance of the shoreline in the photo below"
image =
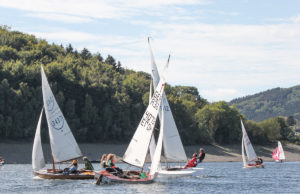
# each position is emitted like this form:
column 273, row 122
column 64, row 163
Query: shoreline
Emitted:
column 20, row 153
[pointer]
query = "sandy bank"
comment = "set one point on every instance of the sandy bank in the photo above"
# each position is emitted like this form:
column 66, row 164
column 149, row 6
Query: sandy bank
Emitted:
column 21, row 152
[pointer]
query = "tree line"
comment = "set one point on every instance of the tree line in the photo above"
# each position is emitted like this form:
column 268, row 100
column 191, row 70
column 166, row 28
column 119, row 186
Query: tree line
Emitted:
column 104, row 102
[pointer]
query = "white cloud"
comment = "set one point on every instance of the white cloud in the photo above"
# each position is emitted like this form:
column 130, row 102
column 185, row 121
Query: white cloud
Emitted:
column 208, row 56
column 83, row 11
column 60, row 17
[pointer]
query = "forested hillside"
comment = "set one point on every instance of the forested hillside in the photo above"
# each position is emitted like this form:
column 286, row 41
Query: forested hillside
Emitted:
column 102, row 101
column 271, row 103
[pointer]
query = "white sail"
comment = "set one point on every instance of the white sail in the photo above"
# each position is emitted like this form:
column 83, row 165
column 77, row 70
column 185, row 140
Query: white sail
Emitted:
column 63, row 144
column 38, row 161
column 152, row 141
column 155, row 166
column 281, row 152
column 173, row 148
column 139, row 144
column 152, row 147
column 251, row 155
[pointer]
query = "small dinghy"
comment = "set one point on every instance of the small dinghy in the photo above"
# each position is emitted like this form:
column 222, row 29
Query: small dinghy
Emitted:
column 278, row 154
column 172, row 145
column 2, row 161
column 63, row 144
column 251, row 155
column 137, row 150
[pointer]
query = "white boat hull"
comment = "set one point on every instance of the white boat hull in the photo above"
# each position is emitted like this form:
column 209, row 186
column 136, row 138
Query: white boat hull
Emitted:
column 178, row 171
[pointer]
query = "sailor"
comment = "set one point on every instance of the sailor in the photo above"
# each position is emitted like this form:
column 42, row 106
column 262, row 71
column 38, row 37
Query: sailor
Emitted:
column 74, row 167
column 110, row 161
column 87, row 164
column 259, row 161
column 103, row 161
column 201, row 155
column 192, row 162
column 110, row 165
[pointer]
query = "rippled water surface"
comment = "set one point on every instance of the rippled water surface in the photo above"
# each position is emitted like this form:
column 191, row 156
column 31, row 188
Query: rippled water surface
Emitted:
column 226, row 177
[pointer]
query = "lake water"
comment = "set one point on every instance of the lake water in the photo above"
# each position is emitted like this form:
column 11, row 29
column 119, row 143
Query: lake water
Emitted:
column 225, row 177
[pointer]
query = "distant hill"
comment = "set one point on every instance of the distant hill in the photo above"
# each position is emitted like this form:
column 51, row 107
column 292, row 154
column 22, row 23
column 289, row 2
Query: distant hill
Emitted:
column 270, row 103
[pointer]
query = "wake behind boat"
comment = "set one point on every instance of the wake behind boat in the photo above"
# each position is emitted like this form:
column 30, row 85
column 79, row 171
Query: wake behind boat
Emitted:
column 251, row 155
column 63, row 144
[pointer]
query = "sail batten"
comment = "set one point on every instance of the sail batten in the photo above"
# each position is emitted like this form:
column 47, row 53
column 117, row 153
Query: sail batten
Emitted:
column 38, row 161
column 63, row 144
column 172, row 144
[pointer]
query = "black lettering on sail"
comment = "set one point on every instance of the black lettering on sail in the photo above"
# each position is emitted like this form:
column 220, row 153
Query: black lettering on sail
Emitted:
column 58, row 122
column 155, row 100
column 148, row 120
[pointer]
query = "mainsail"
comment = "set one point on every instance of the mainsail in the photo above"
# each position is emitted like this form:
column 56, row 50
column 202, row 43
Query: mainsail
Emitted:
column 278, row 153
column 38, row 161
column 173, row 148
column 63, row 144
column 281, row 152
column 275, row 154
column 139, row 144
column 251, row 155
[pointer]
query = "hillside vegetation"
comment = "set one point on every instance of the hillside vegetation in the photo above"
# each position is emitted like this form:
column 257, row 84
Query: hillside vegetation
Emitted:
column 271, row 103
column 104, row 102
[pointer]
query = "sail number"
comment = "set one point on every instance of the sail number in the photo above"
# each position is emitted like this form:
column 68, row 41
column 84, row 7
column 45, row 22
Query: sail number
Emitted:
column 58, row 122
column 155, row 100
column 148, row 120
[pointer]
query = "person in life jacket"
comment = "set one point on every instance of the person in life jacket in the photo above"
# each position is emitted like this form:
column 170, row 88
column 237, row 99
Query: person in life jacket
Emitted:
column 87, row 164
column 74, row 166
column 201, row 156
column 192, row 162
column 110, row 165
column 259, row 161
column 103, row 161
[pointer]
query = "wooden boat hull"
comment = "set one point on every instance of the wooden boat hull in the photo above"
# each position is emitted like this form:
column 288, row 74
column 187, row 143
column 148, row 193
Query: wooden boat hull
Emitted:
column 105, row 177
column 254, row 166
column 50, row 175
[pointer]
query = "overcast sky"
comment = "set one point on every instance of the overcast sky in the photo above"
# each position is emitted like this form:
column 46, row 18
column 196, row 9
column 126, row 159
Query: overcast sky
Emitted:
column 227, row 49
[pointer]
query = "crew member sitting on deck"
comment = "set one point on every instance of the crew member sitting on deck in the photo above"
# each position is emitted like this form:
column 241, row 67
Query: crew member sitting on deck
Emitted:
column 192, row 162
column 103, row 161
column 259, row 161
column 110, row 165
column 110, row 161
column 201, row 156
column 87, row 164
column 74, row 167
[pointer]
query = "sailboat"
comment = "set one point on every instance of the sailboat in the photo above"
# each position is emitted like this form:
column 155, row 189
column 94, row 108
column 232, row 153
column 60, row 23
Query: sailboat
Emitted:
column 172, row 144
column 137, row 150
column 63, row 144
column 2, row 161
column 278, row 154
column 251, row 155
